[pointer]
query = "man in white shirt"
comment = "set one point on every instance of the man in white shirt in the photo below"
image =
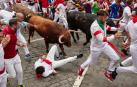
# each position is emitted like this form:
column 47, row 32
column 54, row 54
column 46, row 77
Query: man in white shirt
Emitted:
column 131, row 30
column 45, row 67
column 127, row 15
column 60, row 15
column 20, row 37
column 100, row 43
column 5, row 16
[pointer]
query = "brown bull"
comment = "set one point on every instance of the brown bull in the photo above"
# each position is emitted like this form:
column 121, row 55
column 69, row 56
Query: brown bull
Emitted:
column 50, row 31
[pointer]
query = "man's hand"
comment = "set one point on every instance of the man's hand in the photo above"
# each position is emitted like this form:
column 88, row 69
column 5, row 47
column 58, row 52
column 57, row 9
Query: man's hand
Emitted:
column 118, row 34
column 80, row 55
column 125, row 45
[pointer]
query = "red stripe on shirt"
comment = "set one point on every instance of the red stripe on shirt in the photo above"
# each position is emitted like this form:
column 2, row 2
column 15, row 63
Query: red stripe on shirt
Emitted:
column 108, row 28
column 105, row 39
column 97, row 32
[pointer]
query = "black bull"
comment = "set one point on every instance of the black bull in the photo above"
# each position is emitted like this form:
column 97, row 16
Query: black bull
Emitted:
column 83, row 21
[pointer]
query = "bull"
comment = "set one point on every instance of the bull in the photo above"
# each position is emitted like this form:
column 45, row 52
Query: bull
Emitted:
column 50, row 31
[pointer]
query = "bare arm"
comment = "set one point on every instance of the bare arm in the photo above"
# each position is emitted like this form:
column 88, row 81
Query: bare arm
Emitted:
column 128, row 41
column 5, row 40
column 21, row 44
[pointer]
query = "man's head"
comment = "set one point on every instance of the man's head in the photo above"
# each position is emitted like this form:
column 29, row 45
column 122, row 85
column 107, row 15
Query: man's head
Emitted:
column 118, row 2
column 14, row 24
column 129, row 2
column 20, row 17
column 134, row 12
column 39, row 71
column 102, row 15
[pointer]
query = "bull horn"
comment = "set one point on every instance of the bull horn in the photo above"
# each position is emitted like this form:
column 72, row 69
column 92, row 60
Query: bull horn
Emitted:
column 74, row 31
column 60, row 37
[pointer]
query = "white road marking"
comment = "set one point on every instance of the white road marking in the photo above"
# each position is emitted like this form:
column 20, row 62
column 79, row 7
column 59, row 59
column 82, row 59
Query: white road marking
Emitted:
column 37, row 40
column 79, row 79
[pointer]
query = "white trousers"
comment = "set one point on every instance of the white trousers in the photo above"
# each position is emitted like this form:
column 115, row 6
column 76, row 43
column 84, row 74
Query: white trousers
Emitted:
column 62, row 20
column 22, row 39
column 14, row 68
column 127, row 61
column 94, row 56
column 45, row 10
column 133, row 59
column 58, row 63
column 3, row 80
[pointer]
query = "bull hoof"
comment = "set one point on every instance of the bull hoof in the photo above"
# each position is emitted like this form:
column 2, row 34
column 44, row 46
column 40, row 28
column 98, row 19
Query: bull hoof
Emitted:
column 85, row 43
column 28, row 41
column 47, row 51
column 75, row 41
column 64, row 54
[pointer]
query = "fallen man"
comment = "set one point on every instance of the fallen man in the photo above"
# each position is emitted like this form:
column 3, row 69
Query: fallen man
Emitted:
column 46, row 66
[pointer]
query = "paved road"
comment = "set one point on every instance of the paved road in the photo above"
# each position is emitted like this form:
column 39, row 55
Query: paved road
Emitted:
column 68, row 73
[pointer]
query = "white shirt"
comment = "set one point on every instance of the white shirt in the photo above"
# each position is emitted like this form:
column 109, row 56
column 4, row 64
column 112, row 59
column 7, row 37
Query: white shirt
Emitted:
column 135, row 5
column 132, row 29
column 21, row 25
column 48, row 69
column 1, row 57
column 62, row 12
column 126, row 14
column 6, row 15
column 97, row 42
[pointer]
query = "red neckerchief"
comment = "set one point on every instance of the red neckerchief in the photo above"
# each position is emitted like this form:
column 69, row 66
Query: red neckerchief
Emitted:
column 47, row 61
column 134, row 19
column 39, row 76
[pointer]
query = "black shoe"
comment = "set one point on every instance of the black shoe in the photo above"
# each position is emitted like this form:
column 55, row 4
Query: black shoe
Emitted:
column 125, row 52
column 79, row 55
column 114, row 74
column 121, row 65
column 21, row 86
column 28, row 58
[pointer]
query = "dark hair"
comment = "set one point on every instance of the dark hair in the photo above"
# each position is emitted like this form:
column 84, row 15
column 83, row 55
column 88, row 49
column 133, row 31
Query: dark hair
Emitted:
column 102, row 13
column 13, row 21
column 40, row 70
column 129, row 2
column 135, row 10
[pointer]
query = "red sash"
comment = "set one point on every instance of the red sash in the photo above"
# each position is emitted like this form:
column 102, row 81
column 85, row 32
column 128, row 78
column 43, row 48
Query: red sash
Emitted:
column 47, row 61
column 117, row 50
column 134, row 19
column 2, row 71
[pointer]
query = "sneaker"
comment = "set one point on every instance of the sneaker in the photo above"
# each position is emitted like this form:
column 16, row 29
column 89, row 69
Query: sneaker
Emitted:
column 125, row 52
column 79, row 55
column 80, row 71
column 121, row 65
column 28, row 57
column 114, row 74
column 21, row 86
column 108, row 75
